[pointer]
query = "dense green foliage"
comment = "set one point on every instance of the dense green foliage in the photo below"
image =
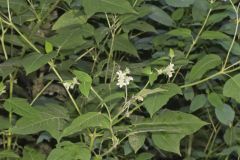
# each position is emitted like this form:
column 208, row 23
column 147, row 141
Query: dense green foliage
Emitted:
column 119, row 79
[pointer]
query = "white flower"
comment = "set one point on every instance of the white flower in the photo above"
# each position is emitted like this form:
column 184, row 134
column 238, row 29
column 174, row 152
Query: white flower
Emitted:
column 169, row 70
column 69, row 84
column 123, row 78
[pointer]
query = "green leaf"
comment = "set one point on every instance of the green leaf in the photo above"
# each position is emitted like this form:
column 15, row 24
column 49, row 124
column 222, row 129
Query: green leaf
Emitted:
column 34, row 61
column 227, row 43
column 9, row 66
column 86, row 82
column 8, row 154
column 70, row 151
column 156, row 101
column 19, row 106
column 217, row 17
column 136, row 141
column 180, row 3
column 168, row 142
column 198, row 102
column 200, row 10
column 168, row 128
column 213, row 35
column 188, row 93
column 145, row 156
column 215, row 100
column 122, row 43
column 225, row 114
column 100, row 33
column 71, row 17
column 182, row 32
column 4, row 123
column 178, row 14
column 168, row 121
column 88, row 120
column 228, row 151
column 51, row 117
column 68, row 38
column 32, row 154
column 48, row 47
column 161, row 16
column 113, row 96
column 205, row 64
column 232, row 87
column 16, row 5
column 109, row 6
column 231, row 136
column 139, row 25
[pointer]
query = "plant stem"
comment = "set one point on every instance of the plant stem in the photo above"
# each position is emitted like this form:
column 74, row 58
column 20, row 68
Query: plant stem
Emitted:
column 50, row 63
column 194, row 42
column 201, row 81
column 44, row 88
column 235, row 34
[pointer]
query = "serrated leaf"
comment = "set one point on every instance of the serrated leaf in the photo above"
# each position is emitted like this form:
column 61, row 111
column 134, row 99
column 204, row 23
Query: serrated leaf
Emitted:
column 205, row 64
column 34, row 61
column 109, row 6
column 180, row 3
column 88, row 120
column 232, row 87
column 156, row 101
column 182, row 32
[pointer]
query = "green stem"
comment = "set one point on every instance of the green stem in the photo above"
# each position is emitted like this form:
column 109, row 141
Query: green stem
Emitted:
column 38, row 95
column 235, row 34
column 102, row 101
column 50, row 64
column 194, row 42
column 201, row 81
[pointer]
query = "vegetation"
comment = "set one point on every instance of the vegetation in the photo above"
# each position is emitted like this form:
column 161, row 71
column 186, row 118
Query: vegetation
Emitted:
column 119, row 79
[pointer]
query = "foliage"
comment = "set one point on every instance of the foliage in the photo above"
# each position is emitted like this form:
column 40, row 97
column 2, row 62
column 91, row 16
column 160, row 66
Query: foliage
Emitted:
column 119, row 79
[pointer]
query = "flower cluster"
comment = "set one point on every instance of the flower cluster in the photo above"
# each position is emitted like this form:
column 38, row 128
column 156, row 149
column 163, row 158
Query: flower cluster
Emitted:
column 69, row 84
column 123, row 78
column 169, row 70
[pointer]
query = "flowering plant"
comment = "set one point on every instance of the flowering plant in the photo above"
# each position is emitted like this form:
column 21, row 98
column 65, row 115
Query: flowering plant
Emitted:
column 119, row 79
